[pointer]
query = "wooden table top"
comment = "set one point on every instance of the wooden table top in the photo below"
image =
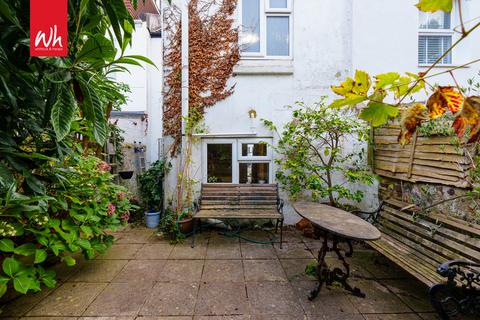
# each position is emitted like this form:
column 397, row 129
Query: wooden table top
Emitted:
column 337, row 221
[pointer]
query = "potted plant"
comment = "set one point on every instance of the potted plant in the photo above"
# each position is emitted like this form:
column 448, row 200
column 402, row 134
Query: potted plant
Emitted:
column 151, row 190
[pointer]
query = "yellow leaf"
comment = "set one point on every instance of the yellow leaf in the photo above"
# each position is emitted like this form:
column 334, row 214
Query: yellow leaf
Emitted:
column 442, row 99
column 344, row 88
column 362, row 82
column 412, row 117
column 469, row 118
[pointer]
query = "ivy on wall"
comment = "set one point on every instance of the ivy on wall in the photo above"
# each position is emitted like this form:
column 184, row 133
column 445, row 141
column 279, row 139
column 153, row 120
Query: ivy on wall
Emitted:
column 213, row 52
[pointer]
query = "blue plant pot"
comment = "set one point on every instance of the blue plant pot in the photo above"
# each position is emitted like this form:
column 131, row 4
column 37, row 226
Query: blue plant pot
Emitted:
column 152, row 218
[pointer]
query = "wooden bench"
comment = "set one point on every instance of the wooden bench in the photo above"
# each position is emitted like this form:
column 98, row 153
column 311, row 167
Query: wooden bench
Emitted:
column 239, row 201
column 433, row 248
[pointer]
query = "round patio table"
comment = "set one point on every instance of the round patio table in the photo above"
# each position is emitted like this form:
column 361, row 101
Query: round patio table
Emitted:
column 336, row 225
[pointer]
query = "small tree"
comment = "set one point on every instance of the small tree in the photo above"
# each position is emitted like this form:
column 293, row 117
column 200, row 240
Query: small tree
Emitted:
column 312, row 156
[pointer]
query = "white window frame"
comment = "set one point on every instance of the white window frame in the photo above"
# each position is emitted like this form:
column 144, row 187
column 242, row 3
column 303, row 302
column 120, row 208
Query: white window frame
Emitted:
column 266, row 11
column 237, row 157
column 241, row 157
column 438, row 32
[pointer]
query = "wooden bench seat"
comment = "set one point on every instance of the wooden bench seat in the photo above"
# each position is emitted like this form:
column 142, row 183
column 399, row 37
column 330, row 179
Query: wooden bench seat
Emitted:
column 420, row 243
column 239, row 201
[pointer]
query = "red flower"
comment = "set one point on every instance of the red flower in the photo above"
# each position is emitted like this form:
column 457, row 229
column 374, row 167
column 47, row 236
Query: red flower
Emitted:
column 111, row 209
column 125, row 216
column 104, row 166
column 121, row 195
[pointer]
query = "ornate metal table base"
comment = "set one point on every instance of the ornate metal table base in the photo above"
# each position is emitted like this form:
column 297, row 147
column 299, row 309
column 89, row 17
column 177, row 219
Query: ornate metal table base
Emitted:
column 328, row 276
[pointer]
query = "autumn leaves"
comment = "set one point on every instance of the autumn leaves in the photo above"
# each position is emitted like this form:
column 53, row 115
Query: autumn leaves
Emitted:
column 377, row 112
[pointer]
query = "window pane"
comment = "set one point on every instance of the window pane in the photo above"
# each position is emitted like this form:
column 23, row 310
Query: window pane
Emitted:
column 219, row 163
column 278, row 3
column 430, row 48
column 254, row 173
column 278, row 36
column 250, row 37
column 434, row 20
column 254, row 149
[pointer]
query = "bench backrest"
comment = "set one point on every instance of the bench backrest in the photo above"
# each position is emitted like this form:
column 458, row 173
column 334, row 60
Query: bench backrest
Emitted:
column 438, row 237
column 223, row 196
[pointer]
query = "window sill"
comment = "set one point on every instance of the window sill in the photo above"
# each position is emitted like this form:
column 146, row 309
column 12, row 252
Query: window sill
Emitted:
column 264, row 66
column 443, row 66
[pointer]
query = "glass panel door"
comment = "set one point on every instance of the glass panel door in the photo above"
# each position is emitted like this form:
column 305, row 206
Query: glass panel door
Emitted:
column 219, row 162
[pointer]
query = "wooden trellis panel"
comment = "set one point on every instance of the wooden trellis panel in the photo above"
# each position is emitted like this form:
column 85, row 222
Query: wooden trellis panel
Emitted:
column 435, row 159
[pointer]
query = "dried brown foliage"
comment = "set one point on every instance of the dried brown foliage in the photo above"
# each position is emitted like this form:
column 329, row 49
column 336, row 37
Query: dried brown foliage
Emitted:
column 213, row 52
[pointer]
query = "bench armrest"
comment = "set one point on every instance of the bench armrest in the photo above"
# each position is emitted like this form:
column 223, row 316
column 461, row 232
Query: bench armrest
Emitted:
column 280, row 204
column 195, row 206
column 372, row 216
column 461, row 271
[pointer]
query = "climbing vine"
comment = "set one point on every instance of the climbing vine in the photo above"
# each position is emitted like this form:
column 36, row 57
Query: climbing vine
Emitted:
column 213, row 52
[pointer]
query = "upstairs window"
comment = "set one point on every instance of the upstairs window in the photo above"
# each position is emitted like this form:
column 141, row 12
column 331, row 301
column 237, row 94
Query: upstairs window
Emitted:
column 434, row 37
column 266, row 28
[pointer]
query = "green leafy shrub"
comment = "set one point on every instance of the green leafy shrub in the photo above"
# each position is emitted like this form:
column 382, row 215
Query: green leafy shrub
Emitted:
column 312, row 157
column 150, row 183
column 80, row 203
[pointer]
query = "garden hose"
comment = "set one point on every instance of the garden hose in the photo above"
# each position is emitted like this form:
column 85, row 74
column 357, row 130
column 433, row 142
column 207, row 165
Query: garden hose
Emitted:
column 226, row 233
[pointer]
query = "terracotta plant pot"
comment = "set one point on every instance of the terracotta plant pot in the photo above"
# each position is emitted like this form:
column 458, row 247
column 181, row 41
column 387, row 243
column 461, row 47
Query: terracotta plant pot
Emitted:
column 185, row 226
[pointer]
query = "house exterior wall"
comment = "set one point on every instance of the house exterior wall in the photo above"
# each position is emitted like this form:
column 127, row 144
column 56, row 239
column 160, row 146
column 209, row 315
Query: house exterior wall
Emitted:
column 385, row 38
column 330, row 40
column 141, row 116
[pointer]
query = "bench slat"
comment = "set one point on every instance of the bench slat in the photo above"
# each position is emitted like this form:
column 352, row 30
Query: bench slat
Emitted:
column 459, row 225
column 423, row 232
column 440, row 230
column 238, row 214
column 396, row 252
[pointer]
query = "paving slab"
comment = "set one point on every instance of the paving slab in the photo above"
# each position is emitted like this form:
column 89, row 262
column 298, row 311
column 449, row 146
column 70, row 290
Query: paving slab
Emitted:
column 216, row 251
column 47, row 318
column 339, row 316
column 394, row 316
column 278, row 317
column 70, row 299
column 121, row 251
column 413, row 293
column 257, row 251
column 24, row 303
column 293, row 250
column 223, row 270
column 378, row 298
column 222, row 298
column 182, row 271
column 379, row 266
column 236, row 317
column 106, row 318
column 295, row 269
column 141, row 271
column 273, row 297
column 264, row 270
column 331, row 302
column 99, row 271
column 185, row 251
column 155, row 251
column 172, row 299
column 120, row 299
column 135, row 235
column 256, row 235
column 164, row 318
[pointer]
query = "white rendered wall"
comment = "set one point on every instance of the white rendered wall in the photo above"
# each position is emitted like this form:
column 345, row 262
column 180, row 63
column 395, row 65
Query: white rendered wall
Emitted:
column 385, row 38
column 330, row 40
column 146, row 92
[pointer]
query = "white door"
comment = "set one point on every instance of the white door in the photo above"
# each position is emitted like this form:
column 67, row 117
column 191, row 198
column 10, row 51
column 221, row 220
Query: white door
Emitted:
column 246, row 161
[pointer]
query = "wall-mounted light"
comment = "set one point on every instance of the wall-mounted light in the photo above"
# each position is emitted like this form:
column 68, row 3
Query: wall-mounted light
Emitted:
column 252, row 114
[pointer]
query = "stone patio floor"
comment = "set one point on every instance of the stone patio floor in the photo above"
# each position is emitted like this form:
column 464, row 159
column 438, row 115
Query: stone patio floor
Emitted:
column 144, row 277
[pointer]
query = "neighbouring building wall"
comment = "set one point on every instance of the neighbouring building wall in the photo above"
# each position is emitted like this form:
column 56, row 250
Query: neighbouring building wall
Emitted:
column 385, row 38
column 141, row 116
